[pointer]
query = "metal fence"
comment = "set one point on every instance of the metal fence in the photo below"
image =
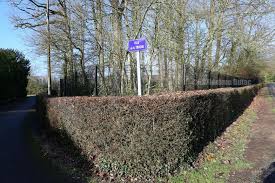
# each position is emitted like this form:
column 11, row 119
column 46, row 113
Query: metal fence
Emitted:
column 190, row 79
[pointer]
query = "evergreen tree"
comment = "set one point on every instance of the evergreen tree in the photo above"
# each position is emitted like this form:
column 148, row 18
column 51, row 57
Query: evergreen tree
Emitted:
column 14, row 71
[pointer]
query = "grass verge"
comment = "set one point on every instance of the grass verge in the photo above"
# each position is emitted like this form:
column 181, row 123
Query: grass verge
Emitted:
column 223, row 156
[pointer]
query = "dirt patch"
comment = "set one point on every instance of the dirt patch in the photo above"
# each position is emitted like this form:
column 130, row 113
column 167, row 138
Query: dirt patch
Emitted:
column 260, row 151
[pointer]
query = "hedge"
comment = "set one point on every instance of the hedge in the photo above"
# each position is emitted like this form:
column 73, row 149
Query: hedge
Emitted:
column 146, row 137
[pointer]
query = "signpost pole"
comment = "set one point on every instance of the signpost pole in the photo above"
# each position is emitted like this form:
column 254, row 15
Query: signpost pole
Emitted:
column 137, row 46
column 96, row 71
column 138, row 74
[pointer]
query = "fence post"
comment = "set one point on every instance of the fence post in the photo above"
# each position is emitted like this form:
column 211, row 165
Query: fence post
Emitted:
column 218, row 80
column 70, row 85
column 65, row 86
column 96, row 91
column 209, row 79
column 225, row 81
column 61, row 90
column 75, row 83
column 195, row 79
column 184, row 77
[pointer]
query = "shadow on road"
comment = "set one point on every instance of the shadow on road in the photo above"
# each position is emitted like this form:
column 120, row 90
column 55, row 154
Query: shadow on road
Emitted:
column 268, row 175
column 20, row 157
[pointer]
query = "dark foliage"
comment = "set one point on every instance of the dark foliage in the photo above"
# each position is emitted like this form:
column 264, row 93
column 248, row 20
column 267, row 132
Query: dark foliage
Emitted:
column 142, row 138
column 14, row 71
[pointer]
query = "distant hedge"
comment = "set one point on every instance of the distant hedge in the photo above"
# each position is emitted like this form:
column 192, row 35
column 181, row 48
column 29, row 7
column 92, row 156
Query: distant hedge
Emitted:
column 146, row 137
column 14, row 71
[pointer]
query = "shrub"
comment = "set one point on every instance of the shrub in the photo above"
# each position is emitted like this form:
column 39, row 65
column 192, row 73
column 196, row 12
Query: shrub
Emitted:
column 146, row 137
column 14, row 70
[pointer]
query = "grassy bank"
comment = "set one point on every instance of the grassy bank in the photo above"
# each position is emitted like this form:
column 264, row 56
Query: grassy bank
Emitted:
column 223, row 156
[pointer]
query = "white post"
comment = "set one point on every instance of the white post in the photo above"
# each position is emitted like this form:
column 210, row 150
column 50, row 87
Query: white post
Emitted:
column 138, row 75
column 49, row 49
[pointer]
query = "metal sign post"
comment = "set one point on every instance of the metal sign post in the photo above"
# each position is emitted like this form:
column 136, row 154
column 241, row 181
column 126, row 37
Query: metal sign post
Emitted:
column 138, row 75
column 137, row 46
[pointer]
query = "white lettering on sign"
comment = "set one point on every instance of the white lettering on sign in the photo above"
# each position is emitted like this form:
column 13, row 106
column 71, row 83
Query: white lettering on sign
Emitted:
column 137, row 45
column 140, row 46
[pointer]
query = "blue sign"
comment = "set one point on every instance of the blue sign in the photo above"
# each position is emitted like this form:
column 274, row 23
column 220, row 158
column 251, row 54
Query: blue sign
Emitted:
column 137, row 45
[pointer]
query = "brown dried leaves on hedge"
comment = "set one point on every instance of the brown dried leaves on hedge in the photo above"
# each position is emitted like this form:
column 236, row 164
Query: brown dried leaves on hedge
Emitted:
column 146, row 137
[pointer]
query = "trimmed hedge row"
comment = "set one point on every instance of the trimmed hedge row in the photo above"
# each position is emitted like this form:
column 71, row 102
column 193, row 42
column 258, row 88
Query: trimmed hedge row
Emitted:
column 146, row 137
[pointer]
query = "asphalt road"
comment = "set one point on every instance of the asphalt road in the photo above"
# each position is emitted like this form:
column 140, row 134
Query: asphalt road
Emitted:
column 20, row 158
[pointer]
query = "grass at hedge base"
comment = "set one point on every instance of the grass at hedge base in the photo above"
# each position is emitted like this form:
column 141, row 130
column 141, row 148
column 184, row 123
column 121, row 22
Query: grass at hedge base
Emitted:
column 222, row 157
column 142, row 138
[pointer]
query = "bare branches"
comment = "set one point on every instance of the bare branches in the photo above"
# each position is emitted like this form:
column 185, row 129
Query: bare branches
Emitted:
column 201, row 34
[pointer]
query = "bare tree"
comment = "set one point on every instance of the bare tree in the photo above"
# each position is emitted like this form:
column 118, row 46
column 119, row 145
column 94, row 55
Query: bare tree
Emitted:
column 186, row 40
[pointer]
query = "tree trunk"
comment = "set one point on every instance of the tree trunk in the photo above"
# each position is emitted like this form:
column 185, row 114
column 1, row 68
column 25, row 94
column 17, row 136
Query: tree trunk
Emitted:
column 117, row 10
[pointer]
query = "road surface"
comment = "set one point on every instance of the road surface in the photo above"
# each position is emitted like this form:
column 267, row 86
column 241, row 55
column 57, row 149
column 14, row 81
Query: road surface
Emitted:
column 20, row 158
